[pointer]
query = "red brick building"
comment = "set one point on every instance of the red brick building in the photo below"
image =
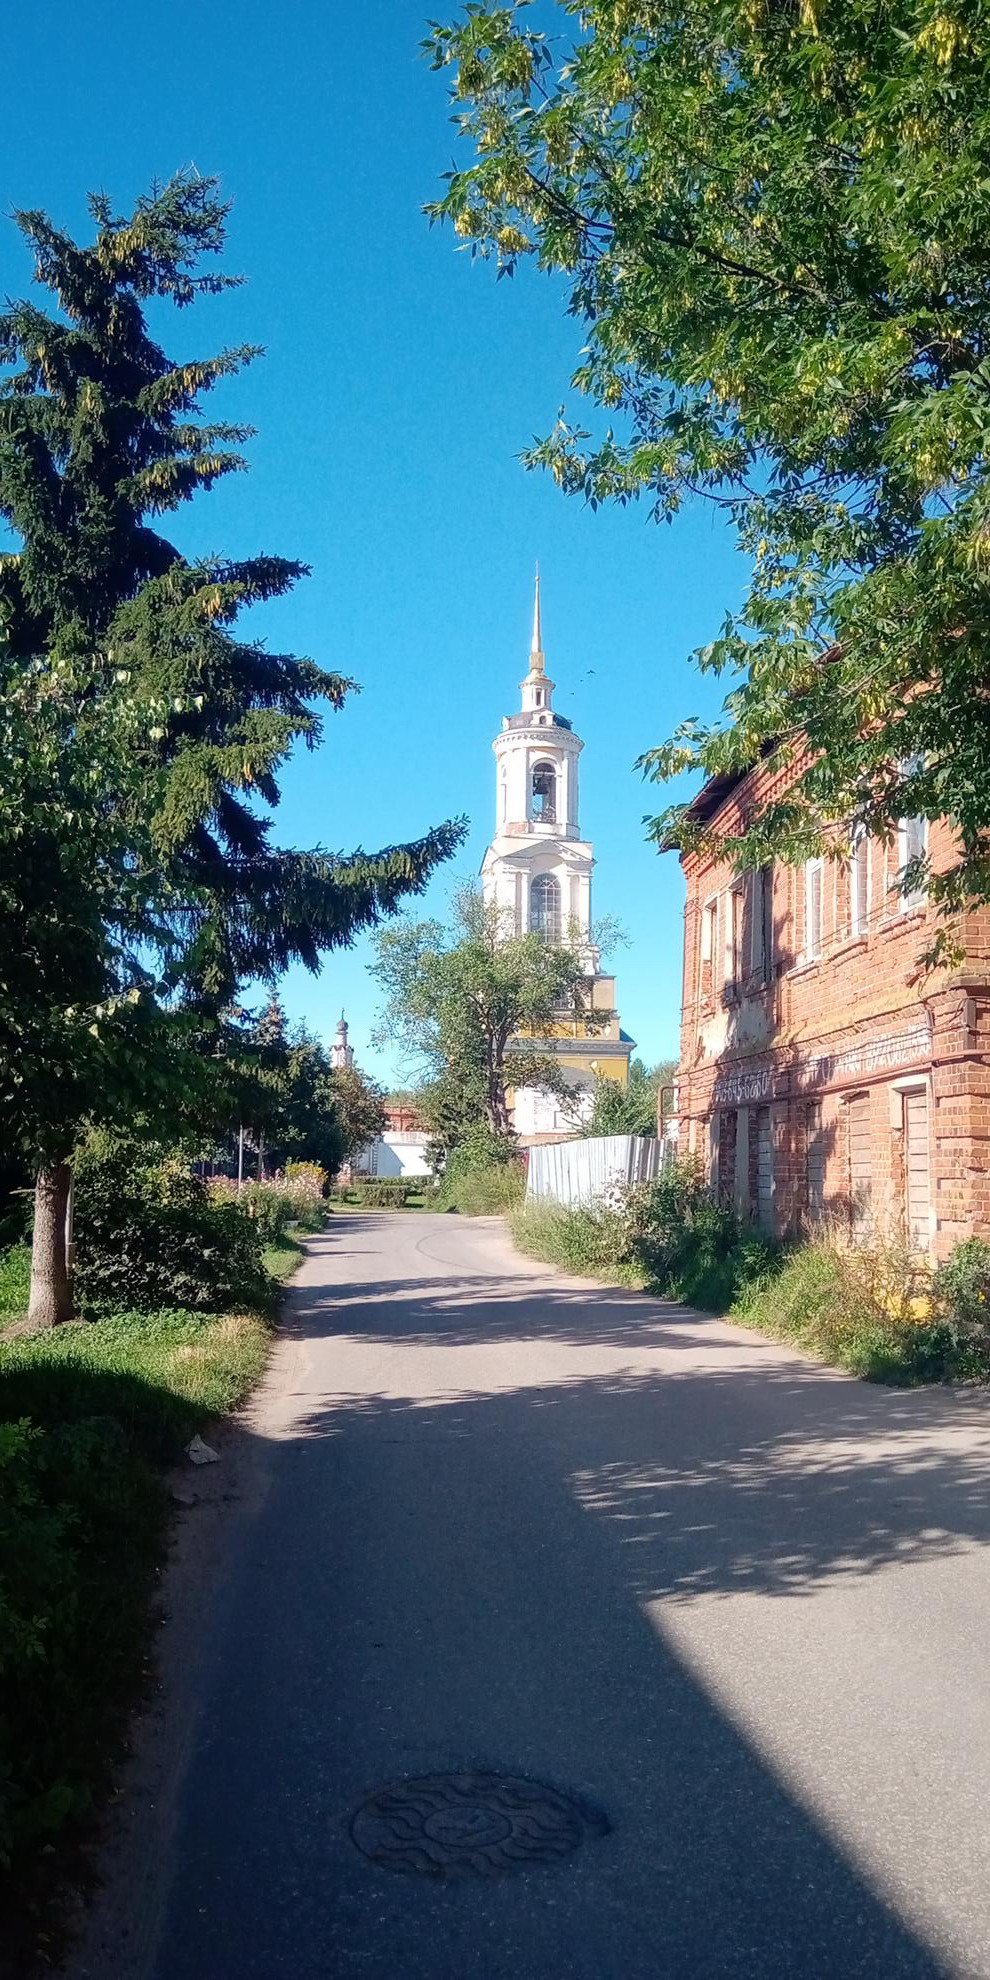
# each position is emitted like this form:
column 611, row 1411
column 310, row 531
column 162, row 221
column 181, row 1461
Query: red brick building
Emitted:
column 824, row 1074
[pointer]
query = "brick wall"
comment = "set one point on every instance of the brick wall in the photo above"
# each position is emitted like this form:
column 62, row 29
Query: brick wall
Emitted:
column 805, row 996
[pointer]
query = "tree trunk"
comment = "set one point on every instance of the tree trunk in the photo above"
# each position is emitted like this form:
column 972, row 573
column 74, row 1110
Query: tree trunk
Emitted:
column 51, row 1289
column 497, row 1109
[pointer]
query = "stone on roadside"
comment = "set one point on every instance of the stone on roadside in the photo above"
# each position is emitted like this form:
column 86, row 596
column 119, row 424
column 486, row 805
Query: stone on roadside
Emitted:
column 199, row 1453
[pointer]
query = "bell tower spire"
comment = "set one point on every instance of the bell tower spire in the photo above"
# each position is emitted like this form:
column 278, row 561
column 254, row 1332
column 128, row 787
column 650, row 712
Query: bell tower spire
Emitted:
column 537, row 688
column 536, row 875
column 536, row 660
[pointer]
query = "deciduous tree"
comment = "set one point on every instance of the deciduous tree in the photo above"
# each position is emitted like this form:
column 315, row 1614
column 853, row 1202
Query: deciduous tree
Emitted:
column 635, row 1108
column 772, row 222
column 475, row 1007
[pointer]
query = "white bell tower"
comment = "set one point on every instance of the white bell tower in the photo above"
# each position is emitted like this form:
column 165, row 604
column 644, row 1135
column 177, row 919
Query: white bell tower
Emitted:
column 538, row 867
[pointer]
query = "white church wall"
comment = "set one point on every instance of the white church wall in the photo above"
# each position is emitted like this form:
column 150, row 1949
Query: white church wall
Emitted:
column 401, row 1153
column 537, row 1112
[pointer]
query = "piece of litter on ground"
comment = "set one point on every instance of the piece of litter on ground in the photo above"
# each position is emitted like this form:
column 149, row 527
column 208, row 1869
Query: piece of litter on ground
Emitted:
column 183, row 1498
column 200, row 1453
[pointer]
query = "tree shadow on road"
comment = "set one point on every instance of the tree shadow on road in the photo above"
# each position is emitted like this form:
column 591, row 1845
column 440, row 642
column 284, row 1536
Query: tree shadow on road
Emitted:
column 446, row 1575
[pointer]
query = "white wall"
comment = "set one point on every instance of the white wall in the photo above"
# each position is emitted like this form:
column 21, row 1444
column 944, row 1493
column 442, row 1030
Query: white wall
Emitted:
column 395, row 1153
column 536, row 1112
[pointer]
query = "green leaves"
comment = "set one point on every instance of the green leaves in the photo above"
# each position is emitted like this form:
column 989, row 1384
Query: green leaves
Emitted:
column 473, row 1007
column 772, row 224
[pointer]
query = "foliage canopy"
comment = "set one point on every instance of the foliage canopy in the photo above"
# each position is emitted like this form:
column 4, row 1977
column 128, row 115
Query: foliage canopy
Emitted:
column 773, row 221
column 476, row 1007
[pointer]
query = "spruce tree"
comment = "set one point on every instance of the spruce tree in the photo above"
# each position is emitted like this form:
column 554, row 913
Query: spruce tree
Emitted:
column 101, row 436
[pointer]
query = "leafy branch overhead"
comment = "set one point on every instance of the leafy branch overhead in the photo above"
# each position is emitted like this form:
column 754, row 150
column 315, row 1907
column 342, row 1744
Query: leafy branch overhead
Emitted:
column 773, row 223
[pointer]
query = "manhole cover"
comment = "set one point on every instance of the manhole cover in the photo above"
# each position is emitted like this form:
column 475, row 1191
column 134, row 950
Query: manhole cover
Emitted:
column 462, row 1825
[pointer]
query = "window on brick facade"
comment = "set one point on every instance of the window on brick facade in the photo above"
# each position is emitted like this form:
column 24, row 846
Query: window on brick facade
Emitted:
column 761, row 925
column 724, row 1154
column 860, row 1165
column 764, row 1170
column 912, row 844
column 812, row 909
column 859, row 883
column 733, row 938
column 709, row 942
column 814, row 1156
column 917, row 1187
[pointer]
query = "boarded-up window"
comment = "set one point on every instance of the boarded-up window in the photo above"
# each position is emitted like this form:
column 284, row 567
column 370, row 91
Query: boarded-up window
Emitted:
column 815, row 1161
column 916, row 1185
column 709, row 939
column 761, row 897
column 725, row 1177
column 860, row 1164
column 764, row 1169
column 813, row 908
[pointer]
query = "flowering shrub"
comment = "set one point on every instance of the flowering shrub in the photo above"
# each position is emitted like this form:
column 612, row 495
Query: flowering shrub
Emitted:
column 271, row 1206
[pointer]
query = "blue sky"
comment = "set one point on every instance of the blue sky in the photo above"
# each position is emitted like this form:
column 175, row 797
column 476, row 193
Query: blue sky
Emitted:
column 399, row 385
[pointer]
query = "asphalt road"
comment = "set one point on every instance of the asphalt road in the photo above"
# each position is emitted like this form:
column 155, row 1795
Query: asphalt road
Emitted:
column 733, row 1605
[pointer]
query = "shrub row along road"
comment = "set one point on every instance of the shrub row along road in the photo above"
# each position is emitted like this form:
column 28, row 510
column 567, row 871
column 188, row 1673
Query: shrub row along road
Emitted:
column 726, row 1607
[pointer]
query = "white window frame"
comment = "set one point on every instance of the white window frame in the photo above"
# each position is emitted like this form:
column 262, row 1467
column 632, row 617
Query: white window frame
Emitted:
column 549, row 929
column 732, row 934
column 919, row 895
column 708, row 945
column 813, row 950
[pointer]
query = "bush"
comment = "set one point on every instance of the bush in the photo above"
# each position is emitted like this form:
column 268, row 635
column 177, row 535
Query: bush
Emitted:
column 273, row 1204
column 307, row 1186
column 267, row 1208
column 75, row 1506
column 858, row 1308
column 592, row 1243
column 670, row 1236
column 149, row 1235
column 961, row 1296
column 385, row 1193
column 482, row 1179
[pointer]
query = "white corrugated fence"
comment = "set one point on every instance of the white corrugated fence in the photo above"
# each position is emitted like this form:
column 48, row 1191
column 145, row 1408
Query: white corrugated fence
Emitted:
column 575, row 1173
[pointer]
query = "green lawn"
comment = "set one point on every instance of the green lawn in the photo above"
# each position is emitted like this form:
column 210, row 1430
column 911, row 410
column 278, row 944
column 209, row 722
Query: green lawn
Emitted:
column 282, row 1259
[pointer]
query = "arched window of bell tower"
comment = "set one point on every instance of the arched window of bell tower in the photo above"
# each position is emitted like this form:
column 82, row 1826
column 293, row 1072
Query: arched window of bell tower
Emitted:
column 544, row 907
column 544, row 793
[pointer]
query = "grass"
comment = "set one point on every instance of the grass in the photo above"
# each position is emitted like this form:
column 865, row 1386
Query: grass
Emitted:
column 576, row 1240
column 860, row 1310
column 15, row 1280
column 91, row 1416
column 283, row 1258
